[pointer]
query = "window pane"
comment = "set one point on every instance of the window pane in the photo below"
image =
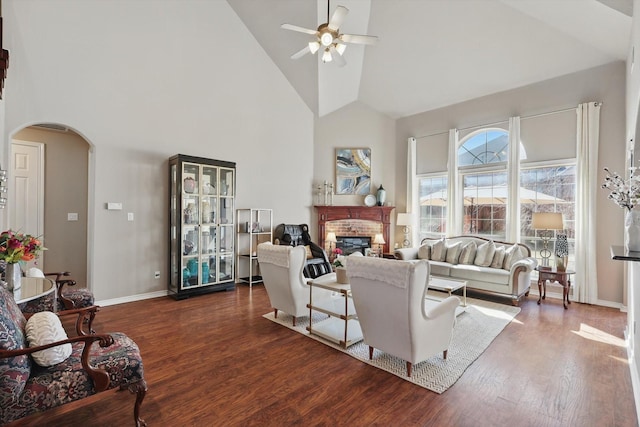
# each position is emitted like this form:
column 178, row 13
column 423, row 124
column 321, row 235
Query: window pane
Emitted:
column 484, row 210
column 433, row 206
column 550, row 189
column 490, row 146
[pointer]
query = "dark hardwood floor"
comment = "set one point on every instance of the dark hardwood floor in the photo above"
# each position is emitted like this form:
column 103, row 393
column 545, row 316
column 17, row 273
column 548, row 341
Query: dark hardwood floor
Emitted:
column 212, row 360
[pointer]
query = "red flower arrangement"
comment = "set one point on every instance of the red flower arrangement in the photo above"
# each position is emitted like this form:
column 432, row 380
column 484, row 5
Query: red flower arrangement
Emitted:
column 15, row 247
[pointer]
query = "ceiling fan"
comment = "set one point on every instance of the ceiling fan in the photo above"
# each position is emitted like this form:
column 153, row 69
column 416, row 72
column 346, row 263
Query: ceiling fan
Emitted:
column 329, row 39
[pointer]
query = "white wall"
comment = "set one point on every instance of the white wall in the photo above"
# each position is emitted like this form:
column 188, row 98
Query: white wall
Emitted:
column 142, row 81
column 356, row 126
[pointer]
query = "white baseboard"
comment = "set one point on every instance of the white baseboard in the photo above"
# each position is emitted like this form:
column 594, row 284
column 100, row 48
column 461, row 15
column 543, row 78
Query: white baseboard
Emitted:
column 131, row 298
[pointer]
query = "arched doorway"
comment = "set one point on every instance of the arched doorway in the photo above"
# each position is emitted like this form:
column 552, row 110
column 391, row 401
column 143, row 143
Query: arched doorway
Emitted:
column 58, row 210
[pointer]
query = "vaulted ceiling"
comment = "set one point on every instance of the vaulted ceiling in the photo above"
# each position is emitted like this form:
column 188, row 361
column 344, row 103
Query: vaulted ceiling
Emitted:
column 434, row 53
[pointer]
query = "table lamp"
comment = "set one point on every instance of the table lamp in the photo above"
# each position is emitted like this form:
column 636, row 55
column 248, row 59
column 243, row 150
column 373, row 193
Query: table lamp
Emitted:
column 379, row 240
column 331, row 238
column 405, row 220
column 546, row 221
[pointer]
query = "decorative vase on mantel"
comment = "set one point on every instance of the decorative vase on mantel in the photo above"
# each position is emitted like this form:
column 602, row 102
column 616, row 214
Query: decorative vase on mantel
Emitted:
column 632, row 230
column 381, row 196
column 13, row 276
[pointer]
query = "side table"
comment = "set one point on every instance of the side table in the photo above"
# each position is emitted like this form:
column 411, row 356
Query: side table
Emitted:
column 342, row 327
column 562, row 277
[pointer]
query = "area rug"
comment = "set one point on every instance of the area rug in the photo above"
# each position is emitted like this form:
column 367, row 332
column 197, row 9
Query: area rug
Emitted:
column 475, row 329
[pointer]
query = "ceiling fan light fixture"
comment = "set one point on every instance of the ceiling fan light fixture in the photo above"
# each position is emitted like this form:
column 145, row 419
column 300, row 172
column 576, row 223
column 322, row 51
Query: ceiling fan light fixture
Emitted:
column 341, row 48
column 326, row 56
column 313, row 47
column 326, row 39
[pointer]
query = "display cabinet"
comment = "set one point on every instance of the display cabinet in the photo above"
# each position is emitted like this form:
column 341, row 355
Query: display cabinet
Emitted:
column 255, row 226
column 201, row 225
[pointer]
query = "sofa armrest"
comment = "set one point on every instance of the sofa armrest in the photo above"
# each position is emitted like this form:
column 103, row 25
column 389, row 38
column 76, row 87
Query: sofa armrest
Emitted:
column 406, row 253
column 528, row 263
column 520, row 275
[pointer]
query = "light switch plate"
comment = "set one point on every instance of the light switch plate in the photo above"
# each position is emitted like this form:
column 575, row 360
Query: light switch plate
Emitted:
column 72, row 216
column 113, row 206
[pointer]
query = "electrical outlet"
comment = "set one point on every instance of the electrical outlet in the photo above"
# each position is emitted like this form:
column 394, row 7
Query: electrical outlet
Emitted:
column 130, row 216
column 157, row 275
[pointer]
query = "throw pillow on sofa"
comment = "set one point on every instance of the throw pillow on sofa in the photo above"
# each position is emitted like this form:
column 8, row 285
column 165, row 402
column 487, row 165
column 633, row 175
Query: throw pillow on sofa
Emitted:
column 453, row 252
column 468, row 253
column 513, row 255
column 424, row 251
column 485, row 253
column 498, row 257
column 439, row 251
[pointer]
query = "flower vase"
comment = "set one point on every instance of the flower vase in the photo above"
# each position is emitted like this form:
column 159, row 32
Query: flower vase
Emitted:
column 341, row 275
column 632, row 231
column 13, row 276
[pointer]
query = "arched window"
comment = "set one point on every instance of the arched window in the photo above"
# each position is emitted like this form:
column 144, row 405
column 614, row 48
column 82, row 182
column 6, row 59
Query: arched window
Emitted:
column 484, row 147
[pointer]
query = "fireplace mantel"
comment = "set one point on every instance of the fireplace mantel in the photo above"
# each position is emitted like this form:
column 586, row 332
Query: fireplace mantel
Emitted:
column 380, row 214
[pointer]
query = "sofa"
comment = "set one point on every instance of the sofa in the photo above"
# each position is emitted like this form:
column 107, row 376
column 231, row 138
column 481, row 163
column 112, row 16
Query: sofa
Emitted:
column 317, row 262
column 490, row 266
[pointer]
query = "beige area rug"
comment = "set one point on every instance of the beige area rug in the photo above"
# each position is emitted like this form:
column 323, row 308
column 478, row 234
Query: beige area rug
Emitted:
column 475, row 329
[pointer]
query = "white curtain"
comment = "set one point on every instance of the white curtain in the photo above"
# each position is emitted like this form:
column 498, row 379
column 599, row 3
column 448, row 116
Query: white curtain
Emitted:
column 412, row 189
column 454, row 193
column 588, row 129
column 513, row 177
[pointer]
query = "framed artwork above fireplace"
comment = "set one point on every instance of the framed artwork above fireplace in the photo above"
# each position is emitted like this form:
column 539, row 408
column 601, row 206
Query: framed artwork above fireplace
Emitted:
column 353, row 171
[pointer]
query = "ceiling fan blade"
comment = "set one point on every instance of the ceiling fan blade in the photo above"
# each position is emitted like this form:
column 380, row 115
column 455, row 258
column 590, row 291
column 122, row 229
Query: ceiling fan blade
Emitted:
column 302, row 52
column 337, row 57
column 358, row 39
column 298, row 29
column 338, row 17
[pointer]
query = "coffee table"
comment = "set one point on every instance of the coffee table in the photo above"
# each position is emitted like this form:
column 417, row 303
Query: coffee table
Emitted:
column 342, row 327
column 446, row 284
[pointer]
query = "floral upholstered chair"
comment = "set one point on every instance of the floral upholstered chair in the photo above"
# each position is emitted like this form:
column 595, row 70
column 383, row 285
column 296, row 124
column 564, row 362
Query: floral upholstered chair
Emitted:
column 65, row 299
column 40, row 368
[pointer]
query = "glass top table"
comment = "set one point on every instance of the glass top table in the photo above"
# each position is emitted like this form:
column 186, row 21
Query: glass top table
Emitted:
column 33, row 288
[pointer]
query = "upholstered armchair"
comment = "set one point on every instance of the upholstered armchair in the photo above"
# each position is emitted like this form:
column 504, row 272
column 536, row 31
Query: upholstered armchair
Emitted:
column 286, row 286
column 317, row 262
column 67, row 299
column 41, row 368
column 389, row 297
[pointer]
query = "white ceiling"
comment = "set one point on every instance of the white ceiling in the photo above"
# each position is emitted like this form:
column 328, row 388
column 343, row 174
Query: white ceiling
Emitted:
column 434, row 53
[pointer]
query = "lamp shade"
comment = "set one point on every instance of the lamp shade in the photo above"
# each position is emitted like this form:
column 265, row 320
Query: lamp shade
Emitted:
column 547, row 221
column 331, row 237
column 404, row 219
column 378, row 239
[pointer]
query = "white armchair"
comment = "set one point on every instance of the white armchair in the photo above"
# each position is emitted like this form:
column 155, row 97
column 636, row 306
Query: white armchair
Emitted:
column 282, row 274
column 389, row 297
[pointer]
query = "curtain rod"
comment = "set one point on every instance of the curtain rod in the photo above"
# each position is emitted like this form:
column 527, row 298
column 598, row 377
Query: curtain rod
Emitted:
column 564, row 110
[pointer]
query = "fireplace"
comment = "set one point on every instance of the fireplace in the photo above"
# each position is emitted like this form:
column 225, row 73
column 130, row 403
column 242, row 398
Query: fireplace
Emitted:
column 379, row 216
column 351, row 244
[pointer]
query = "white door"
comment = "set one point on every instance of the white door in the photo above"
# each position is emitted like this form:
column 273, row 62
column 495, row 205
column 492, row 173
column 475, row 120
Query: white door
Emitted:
column 26, row 191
